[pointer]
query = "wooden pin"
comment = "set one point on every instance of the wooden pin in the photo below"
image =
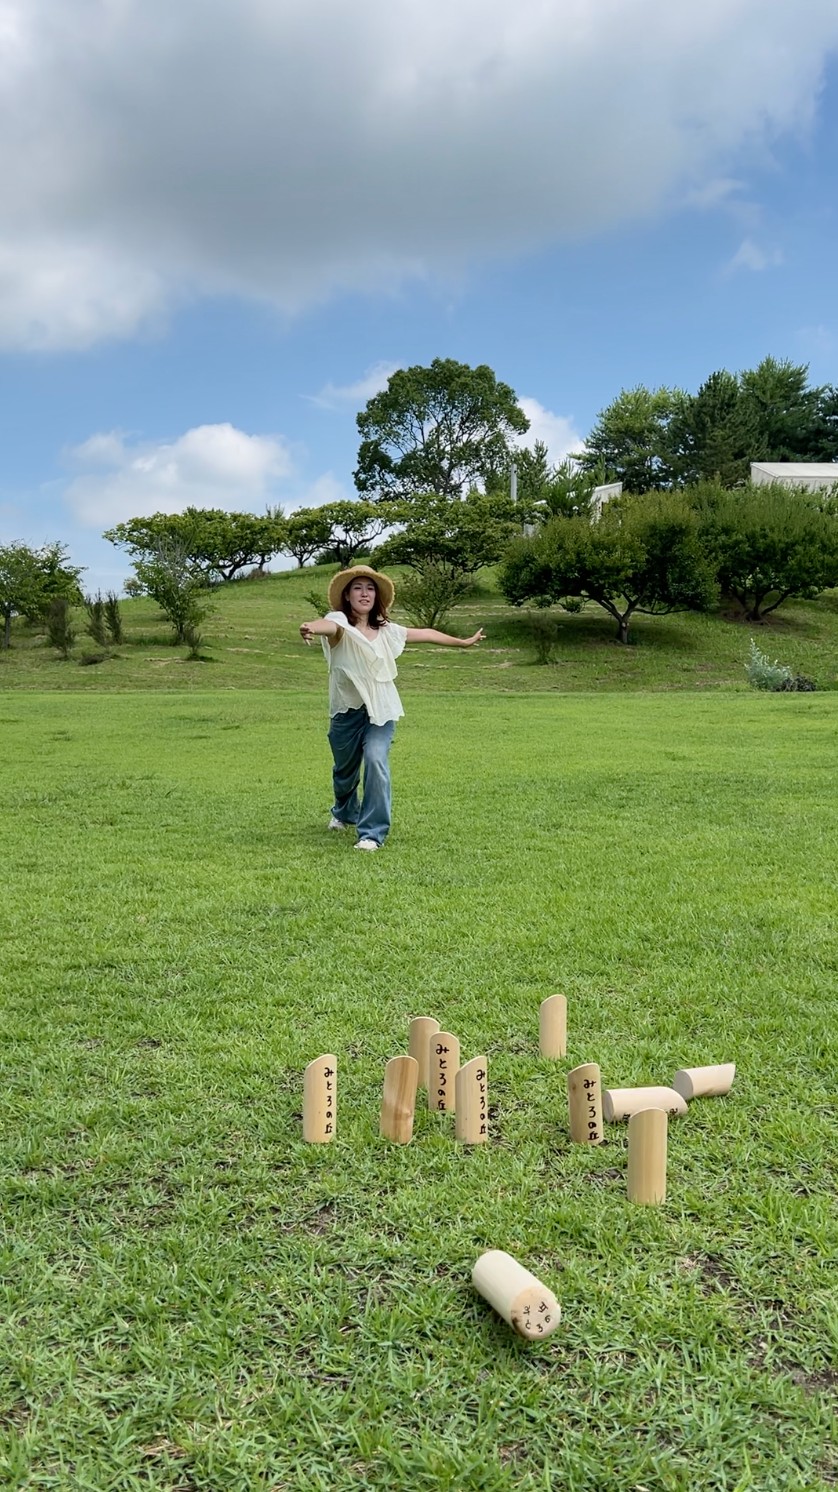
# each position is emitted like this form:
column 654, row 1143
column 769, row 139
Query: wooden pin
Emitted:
column 320, row 1084
column 443, row 1066
column 619, row 1104
column 399, row 1099
column 705, row 1082
column 524, row 1303
column 471, row 1125
column 422, row 1028
column 552, row 1027
column 647, row 1155
column 584, row 1101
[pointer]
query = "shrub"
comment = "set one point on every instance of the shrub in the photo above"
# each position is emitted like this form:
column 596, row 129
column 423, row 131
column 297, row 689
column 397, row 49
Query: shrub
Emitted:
column 776, row 676
column 113, row 617
column 318, row 602
column 86, row 659
column 96, row 625
column 430, row 596
column 544, row 636
column 60, row 630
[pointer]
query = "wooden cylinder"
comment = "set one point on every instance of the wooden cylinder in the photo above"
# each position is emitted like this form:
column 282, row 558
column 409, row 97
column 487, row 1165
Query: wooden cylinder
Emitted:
column 705, row 1082
column 443, row 1066
column 320, row 1083
column 524, row 1303
column 398, row 1101
column 471, row 1125
column 422, row 1028
column 552, row 1027
column 619, row 1104
column 647, row 1155
column 584, row 1101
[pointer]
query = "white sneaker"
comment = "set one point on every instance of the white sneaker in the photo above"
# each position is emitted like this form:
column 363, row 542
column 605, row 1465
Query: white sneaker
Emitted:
column 367, row 844
column 337, row 823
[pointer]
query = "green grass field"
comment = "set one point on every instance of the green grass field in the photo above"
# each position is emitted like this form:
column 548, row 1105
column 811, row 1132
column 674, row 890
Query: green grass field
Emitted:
column 193, row 1298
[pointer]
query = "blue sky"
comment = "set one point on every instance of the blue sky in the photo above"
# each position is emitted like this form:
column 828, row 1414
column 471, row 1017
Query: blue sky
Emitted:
column 222, row 227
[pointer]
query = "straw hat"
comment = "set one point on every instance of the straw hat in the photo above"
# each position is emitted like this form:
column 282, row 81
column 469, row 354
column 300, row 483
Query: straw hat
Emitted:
column 337, row 586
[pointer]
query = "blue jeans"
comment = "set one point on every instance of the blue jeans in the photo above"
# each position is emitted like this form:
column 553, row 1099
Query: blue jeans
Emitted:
column 355, row 740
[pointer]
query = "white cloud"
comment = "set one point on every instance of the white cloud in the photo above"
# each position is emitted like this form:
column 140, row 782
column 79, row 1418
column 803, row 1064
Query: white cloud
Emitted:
column 557, row 431
column 212, row 466
column 750, row 255
column 355, row 395
column 288, row 152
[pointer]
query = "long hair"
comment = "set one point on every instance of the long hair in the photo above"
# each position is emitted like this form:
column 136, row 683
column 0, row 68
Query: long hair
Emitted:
column 378, row 615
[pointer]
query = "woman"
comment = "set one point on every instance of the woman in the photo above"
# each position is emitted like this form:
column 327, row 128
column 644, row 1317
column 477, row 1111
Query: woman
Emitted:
column 361, row 646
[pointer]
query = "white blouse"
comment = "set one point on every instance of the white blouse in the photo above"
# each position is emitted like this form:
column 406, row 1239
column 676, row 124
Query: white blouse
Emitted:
column 362, row 669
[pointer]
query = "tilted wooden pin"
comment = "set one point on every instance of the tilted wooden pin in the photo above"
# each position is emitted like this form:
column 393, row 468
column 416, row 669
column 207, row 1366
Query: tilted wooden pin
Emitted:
column 320, row 1087
column 422, row 1028
column 471, row 1125
column 552, row 1027
column 619, row 1104
column 647, row 1155
column 443, row 1066
column 524, row 1303
column 584, row 1101
column 399, row 1099
column 705, row 1082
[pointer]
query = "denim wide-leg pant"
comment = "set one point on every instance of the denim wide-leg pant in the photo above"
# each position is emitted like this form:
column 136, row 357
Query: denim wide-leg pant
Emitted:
column 355, row 741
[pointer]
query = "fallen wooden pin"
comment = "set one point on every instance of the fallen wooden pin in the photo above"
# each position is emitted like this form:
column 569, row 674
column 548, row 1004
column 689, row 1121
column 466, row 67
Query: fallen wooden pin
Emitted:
column 471, row 1124
column 552, row 1027
column 524, row 1303
column 705, row 1082
column 398, row 1103
column 443, row 1066
column 647, row 1155
column 422, row 1028
column 584, row 1101
column 320, row 1100
column 618, row 1104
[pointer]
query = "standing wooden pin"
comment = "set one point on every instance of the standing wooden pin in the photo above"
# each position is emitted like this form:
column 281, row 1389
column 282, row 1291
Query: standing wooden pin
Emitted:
column 471, row 1125
column 647, row 1156
column 320, row 1085
column 552, row 1027
column 398, row 1102
column 524, row 1303
column 422, row 1028
column 705, row 1082
column 584, row 1101
column 443, row 1066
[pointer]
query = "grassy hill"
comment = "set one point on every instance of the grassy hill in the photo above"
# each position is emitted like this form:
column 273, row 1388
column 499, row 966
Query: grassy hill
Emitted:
column 251, row 642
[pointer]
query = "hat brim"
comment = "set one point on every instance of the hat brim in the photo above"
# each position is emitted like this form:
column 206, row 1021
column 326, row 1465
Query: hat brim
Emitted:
column 339, row 582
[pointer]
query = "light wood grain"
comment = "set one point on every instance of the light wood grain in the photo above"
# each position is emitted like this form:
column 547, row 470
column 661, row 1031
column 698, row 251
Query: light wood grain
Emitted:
column 518, row 1297
column 705, row 1082
column 471, row 1125
column 552, row 1026
column 398, row 1103
column 320, row 1082
column 443, row 1066
column 584, row 1101
column 618, row 1104
column 647, row 1156
column 422, row 1028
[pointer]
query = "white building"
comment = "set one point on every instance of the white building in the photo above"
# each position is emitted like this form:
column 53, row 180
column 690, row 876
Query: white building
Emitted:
column 813, row 475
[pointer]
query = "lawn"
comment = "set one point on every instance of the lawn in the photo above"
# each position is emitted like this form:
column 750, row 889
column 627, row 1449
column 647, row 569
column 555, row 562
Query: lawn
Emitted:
column 194, row 1299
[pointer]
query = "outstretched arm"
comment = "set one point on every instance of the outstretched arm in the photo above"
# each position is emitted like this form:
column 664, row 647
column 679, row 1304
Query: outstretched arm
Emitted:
column 430, row 634
column 319, row 628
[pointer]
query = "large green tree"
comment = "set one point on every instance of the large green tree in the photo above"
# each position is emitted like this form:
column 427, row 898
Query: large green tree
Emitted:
column 441, row 429
column 354, row 526
column 768, row 544
column 30, row 579
column 643, row 554
column 631, row 442
column 217, row 543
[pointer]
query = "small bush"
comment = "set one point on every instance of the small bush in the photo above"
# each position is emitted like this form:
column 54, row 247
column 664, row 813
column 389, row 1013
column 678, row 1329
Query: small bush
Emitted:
column 95, row 625
column 544, row 636
column 113, row 618
column 86, row 659
column 776, row 676
column 194, row 641
column 317, row 602
column 61, row 633
column 430, row 596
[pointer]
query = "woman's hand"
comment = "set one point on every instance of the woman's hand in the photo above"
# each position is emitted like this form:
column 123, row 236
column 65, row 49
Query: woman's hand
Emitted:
column 479, row 636
column 307, row 632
